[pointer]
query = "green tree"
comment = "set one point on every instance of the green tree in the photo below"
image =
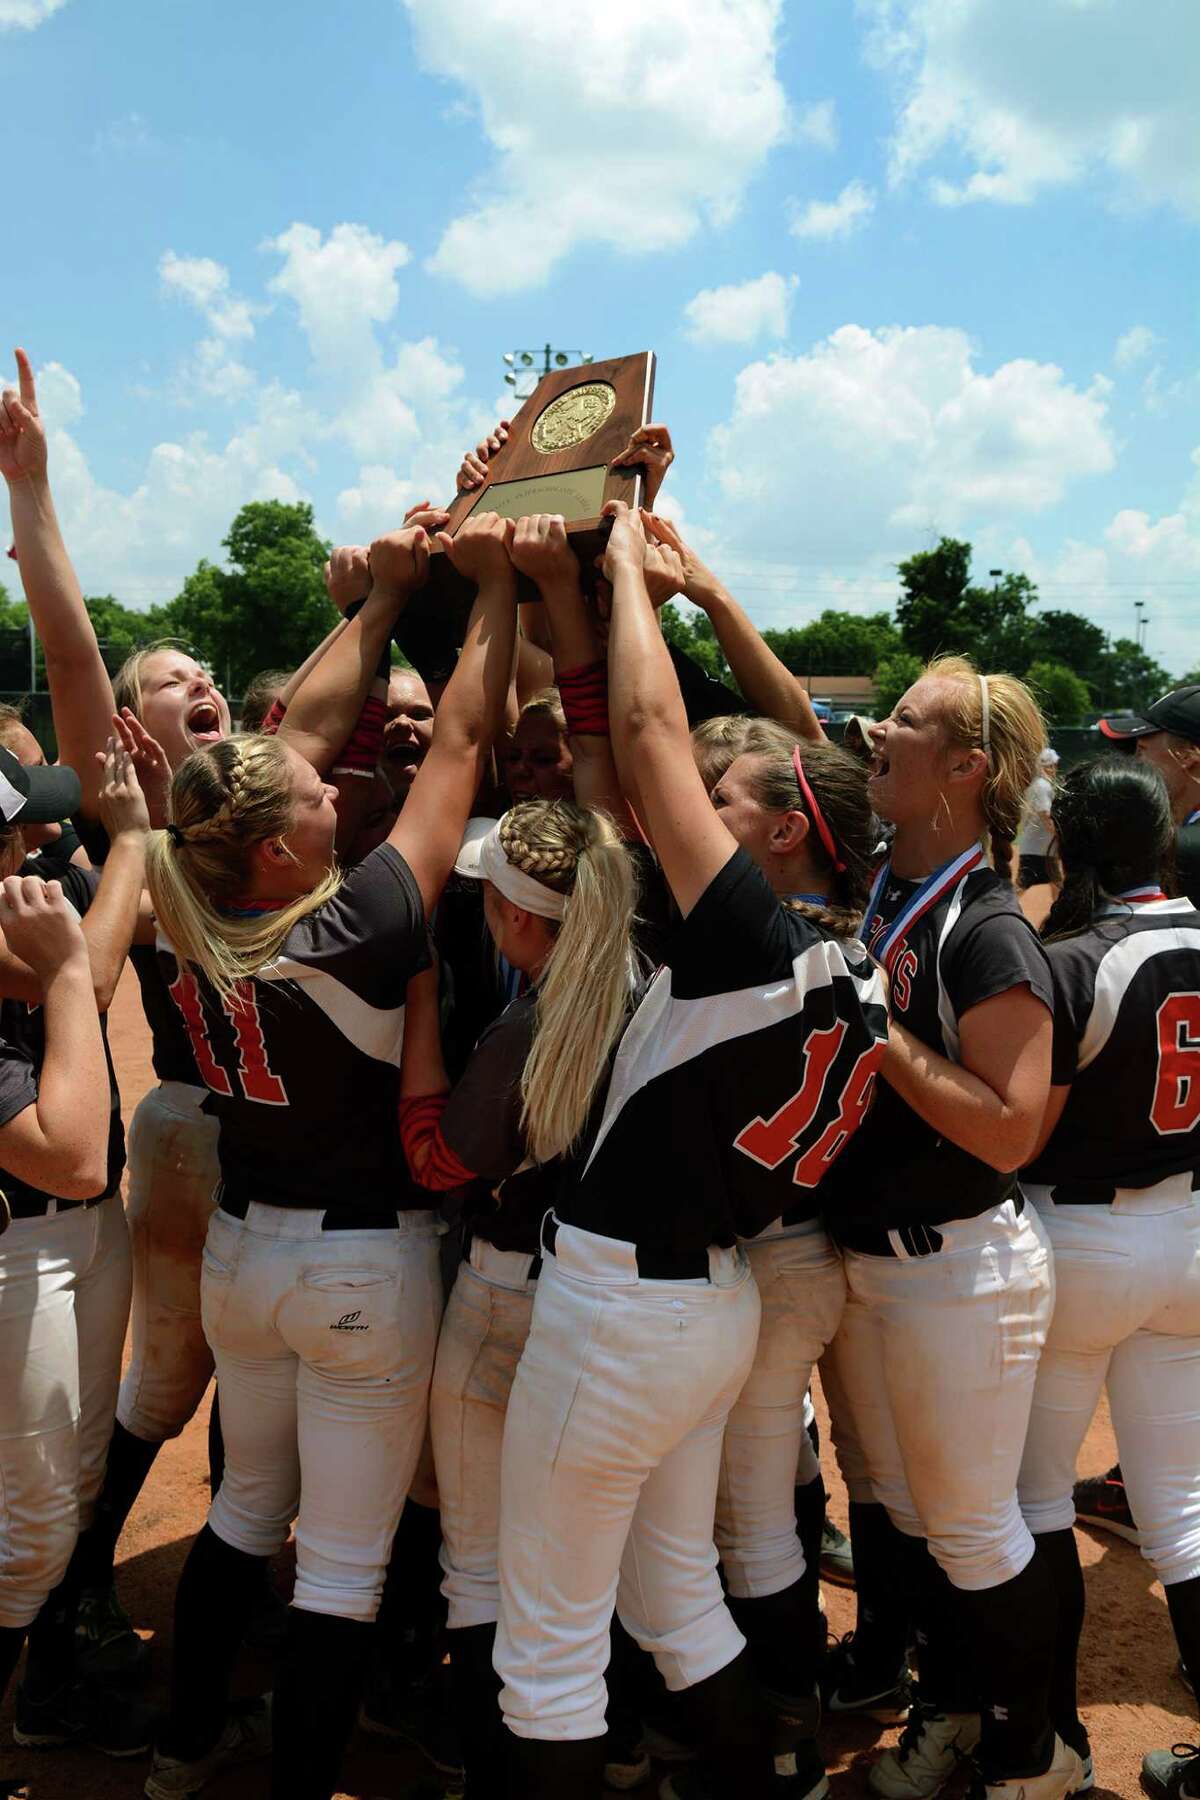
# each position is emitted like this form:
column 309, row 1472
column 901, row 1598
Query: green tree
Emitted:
column 836, row 643
column 1070, row 639
column 941, row 610
column 694, row 635
column 895, row 674
column 120, row 630
column 1001, row 629
column 269, row 608
column 932, row 609
column 1063, row 696
column 1128, row 679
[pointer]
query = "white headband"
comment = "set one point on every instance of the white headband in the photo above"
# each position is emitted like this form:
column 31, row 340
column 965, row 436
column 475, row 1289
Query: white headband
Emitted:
column 514, row 884
column 985, row 723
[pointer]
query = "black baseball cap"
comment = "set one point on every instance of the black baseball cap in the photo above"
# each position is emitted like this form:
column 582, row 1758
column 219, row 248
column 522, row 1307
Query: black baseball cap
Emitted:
column 37, row 794
column 1177, row 712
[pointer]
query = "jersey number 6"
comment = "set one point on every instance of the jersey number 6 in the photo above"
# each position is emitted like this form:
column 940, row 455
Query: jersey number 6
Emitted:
column 254, row 1074
column 769, row 1142
column 1177, row 1091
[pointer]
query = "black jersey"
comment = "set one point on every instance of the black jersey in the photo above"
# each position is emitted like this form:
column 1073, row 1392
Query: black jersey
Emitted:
column 971, row 944
column 170, row 1046
column 1127, row 1041
column 23, row 1049
column 302, row 1063
column 482, row 1126
column 742, row 1075
column 1187, row 858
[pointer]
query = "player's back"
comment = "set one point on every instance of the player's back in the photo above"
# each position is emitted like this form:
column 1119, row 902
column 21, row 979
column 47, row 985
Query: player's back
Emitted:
column 1127, row 1042
column 302, row 1062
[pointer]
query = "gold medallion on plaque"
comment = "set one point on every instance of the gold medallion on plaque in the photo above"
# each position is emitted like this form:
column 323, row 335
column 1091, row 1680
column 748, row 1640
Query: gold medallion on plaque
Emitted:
column 574, row 416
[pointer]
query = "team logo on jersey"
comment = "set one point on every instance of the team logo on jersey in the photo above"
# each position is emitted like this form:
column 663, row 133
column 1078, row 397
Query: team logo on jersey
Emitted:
column 349, row 1322
column 904, row 969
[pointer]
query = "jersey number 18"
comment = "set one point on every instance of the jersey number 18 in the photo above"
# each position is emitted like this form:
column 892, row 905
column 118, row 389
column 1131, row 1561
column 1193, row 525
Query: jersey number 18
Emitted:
column 770, row 1142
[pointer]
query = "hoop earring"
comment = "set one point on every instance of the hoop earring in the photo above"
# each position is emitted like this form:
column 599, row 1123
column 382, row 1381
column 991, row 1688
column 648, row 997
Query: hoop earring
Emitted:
column 942, row 806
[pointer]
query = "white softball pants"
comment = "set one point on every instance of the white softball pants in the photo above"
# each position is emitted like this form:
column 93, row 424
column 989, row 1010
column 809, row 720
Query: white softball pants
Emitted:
column 802, row 1288
column 1127, row 1315
column 64, row 1303
column 609, row 1476
column 324, row 1344
column 173, row 1176
column 937, row 1359
column 483, row 1333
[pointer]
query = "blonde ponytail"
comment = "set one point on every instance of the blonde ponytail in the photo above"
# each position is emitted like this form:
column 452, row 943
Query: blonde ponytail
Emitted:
column 586, row 993
column 1016, row 737
column 225, row 801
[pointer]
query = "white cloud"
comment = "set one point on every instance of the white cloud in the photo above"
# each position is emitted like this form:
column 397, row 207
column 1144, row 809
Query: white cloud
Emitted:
column 623, row 130
column 1134, row 346
column 343, row 285
column 817, row 125
column 26, row 14
column 834, row 218
column 141, row 544
column 871, row 437
column 384, row 424
column 741, row 312
column 1034, row 94
column 1138, row 556
column 214, row 368
column 60, row 397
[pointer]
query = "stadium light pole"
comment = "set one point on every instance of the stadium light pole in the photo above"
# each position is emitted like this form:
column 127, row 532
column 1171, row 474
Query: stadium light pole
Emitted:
column 521, row 366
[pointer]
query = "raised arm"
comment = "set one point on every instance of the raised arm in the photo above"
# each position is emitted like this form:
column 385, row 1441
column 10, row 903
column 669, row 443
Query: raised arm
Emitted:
column 80, row 690
column 59, row 1142
column 111, row 920
column 326, row 706
column 540, row 549
column 650, row 737
column 471, row 711
column 770, row 688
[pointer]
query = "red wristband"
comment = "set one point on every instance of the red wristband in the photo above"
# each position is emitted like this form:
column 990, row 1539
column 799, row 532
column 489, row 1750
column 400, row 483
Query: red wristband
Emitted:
column 362, row 750
column 584, row 696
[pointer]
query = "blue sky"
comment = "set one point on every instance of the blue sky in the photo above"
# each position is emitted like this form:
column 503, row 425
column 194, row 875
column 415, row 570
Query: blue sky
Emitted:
column 909, row 266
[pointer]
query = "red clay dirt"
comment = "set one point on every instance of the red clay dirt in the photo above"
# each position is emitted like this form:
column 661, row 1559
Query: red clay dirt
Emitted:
column 1131, row 1698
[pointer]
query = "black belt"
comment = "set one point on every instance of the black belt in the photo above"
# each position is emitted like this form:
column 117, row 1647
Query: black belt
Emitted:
column 38, row 1208
column 918, row 1240
column 652, row 1265
column 342, row 1218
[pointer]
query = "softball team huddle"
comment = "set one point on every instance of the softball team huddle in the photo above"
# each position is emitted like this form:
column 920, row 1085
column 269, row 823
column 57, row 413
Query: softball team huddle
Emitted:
column 524, row 1161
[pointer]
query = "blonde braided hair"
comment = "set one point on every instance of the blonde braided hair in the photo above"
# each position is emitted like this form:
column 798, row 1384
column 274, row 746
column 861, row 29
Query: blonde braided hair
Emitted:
column 552, row 862
column 587, row 987
column 225, row 801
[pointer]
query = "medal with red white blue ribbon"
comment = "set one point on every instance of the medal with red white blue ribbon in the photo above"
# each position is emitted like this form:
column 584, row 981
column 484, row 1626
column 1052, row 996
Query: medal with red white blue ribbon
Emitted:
column 885, row 941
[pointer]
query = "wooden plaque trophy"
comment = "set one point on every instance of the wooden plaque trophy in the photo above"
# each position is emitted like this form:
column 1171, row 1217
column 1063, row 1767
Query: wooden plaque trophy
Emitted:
column 556, row 461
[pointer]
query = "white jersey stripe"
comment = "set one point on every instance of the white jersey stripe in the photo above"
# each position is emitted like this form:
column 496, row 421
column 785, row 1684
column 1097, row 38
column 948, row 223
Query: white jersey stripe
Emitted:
column 1119, row 967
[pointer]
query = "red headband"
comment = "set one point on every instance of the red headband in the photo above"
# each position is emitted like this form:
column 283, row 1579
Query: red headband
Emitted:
column 818, row 817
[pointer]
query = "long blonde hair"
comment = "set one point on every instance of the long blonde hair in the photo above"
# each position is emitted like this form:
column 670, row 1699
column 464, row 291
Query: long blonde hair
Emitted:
column 586, row 991
column 225, row 801
column 1016, row 739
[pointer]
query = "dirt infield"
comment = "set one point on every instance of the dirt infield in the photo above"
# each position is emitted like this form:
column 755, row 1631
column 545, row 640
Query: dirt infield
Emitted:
column 1131, row 1699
